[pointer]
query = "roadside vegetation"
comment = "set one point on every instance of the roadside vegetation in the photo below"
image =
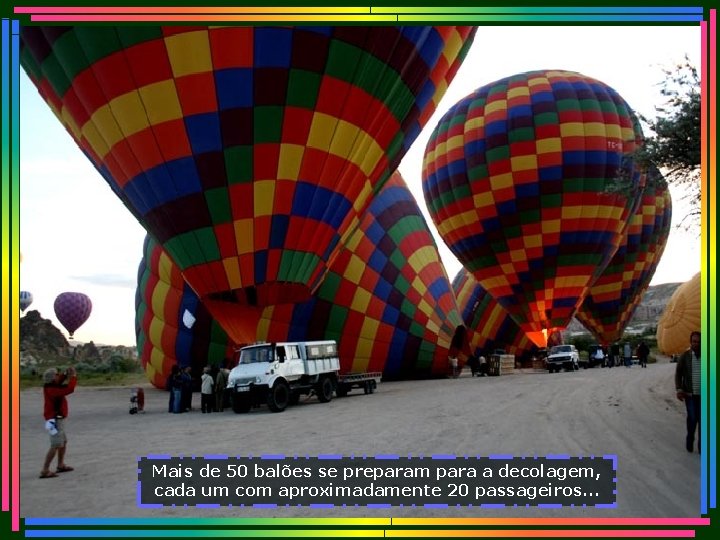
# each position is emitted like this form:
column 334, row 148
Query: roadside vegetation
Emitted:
column 115, row 371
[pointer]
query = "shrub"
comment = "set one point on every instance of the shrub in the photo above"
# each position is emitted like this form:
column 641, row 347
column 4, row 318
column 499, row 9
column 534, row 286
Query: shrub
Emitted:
column 123, row 365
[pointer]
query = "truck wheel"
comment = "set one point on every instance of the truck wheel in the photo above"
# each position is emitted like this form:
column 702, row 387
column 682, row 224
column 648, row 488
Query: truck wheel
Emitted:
column 279, row 396
column 372, row 385
column 324, row 389
column 341, row 390
column 240, row 404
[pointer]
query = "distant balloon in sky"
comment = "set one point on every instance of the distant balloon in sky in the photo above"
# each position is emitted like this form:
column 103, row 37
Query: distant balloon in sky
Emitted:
column 531, row 183
column 249, row 153
column 26, row 298
column 72, row 309
column 614, row 297
column 489, row 326
column 681, row 317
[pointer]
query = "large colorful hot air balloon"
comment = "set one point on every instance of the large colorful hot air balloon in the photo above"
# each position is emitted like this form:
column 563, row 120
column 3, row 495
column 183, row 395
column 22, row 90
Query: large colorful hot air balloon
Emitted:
column 613, row 298
column 171, row 324
column 72, row 309
column 530, row 181
column 489, row 326
column 249, row 152
column 387, row 299
column 681, row 317
column 26, row 298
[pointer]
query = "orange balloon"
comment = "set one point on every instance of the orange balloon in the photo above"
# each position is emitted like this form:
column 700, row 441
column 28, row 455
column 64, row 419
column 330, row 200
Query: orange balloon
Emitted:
column 680, row 318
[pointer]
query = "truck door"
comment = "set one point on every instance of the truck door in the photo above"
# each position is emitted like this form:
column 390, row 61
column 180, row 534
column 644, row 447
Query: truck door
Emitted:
column 294, row 367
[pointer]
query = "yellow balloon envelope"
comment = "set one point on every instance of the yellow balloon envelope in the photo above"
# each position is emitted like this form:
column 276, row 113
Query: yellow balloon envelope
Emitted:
column 680, row 318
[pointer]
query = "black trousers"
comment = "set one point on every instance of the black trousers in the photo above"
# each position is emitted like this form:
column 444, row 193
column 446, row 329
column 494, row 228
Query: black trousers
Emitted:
column 207, row 402
column 692, row 405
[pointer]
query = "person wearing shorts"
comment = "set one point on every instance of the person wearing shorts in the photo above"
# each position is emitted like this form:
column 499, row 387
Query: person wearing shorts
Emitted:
column 57, row 386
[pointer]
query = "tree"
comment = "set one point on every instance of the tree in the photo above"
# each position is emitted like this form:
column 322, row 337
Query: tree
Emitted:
column 676, row 127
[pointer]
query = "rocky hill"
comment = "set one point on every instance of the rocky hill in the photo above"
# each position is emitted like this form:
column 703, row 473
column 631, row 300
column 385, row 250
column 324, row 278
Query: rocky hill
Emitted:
column 39, row 337
column 42, row 343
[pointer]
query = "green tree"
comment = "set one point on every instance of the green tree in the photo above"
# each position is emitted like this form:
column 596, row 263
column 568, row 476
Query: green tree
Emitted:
column 675, row 142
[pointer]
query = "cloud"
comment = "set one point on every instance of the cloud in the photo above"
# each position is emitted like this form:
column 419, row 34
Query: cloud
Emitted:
column 108, row 280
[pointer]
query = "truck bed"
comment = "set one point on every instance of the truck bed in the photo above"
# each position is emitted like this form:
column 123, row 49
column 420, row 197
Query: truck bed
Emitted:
column 367, row 381
column 321, row 365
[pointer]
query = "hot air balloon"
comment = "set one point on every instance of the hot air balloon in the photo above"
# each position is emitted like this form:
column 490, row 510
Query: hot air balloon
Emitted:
column 614, row 297
column 531, row 183
column 387, row 299
column 489, row 326
column 26, row 298
column 249, row 153
column 681, row 317
column 72, row 309
column 171, row 324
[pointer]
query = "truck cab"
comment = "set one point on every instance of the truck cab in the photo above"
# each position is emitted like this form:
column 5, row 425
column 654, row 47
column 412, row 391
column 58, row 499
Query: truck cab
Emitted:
column 278, row 373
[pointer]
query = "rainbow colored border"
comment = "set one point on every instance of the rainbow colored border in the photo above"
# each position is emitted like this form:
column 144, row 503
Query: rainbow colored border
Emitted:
column 346, row 527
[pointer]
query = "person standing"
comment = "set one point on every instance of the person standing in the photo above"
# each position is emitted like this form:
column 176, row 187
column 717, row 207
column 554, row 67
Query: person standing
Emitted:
column 220, row 384
column 187, row 389
column 206, row 391
column 687, row 385
column 174, row 386
column 599, row 356
column 57, row 386
column 454, row 366
column 483, row 365
column 627, row 354
column 643, row 351
column 614, row 354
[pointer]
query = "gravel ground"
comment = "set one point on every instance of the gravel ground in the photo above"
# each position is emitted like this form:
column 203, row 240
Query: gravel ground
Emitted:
column 631, row 413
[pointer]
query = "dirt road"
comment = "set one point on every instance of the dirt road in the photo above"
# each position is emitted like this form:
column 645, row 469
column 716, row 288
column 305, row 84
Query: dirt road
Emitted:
column 628, row 412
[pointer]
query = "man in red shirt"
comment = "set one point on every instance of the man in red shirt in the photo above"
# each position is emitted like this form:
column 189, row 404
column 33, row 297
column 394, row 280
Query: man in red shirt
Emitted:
column 56, row 411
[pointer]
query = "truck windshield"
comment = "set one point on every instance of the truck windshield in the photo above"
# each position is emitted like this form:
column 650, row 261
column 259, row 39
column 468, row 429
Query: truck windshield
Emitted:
column 254, row 355
column 560, row 349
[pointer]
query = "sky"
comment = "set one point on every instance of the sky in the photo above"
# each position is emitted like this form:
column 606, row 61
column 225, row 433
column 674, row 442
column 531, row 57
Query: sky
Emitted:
column 76, row 235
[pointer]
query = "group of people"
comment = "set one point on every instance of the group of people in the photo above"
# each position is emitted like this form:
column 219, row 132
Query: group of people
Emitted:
column 212, row 389
column 478, row 365
column 624, row 355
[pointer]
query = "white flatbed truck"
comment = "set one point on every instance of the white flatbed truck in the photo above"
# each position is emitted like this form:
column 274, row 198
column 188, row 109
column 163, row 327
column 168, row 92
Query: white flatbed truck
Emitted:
column 279, row 373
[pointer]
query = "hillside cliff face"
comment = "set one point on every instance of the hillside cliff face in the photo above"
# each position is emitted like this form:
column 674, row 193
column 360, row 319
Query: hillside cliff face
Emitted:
column 39, row 335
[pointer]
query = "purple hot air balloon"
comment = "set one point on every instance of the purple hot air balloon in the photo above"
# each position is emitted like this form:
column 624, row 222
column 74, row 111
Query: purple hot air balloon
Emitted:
column 72, row 309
